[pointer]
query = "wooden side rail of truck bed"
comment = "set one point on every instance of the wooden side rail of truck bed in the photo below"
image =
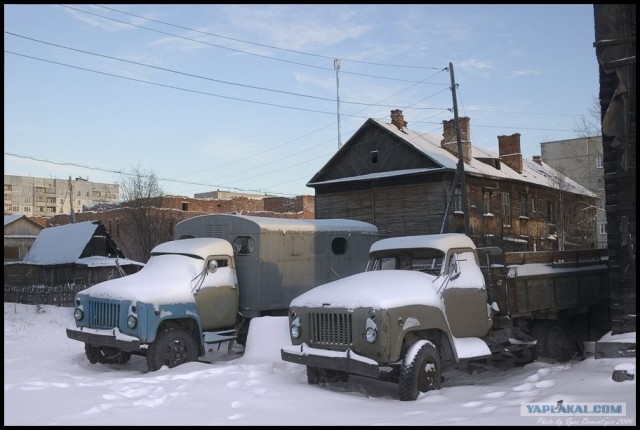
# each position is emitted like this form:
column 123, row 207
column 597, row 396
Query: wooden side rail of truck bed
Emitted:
column 576, row 258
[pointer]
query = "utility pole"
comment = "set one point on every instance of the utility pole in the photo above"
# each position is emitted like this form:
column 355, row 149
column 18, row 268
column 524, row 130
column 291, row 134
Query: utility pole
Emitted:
column 336, row 65
column 460, row 155
column 71, row 197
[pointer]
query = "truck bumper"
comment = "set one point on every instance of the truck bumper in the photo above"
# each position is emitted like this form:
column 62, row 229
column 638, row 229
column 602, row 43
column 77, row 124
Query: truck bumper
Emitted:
column 346, row 361
column 112, row 338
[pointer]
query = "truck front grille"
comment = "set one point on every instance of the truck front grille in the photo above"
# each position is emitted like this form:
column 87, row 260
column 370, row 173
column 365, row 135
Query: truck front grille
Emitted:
column 103, row 314
column 330, row 329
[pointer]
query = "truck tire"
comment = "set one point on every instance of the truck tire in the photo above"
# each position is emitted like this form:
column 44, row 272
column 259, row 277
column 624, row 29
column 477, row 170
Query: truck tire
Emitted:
column 173, row 346
column 106, row 355
column 243, row 332
column 423, row 373
column 316, row 375
column 553, row 340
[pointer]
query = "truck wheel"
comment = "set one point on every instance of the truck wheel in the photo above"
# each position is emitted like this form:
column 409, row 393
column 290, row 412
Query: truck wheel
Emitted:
column 243, row 332
column 316, row 375
column 422, row 374
column 91, row 352
column 173, row 347
column 108, row 355
column 553, row 340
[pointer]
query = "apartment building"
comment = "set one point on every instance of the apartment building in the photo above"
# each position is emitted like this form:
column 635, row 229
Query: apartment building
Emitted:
column 581, row 160
column 32, row 196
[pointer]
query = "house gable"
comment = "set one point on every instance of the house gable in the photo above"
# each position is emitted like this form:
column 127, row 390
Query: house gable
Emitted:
column 371, row 151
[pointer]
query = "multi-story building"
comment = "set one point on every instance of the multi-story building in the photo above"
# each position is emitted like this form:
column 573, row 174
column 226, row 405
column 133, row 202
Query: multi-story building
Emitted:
column 581, row 160
column 47, row 197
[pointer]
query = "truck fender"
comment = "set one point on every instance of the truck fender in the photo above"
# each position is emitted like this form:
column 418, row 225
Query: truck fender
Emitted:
column 438, row 337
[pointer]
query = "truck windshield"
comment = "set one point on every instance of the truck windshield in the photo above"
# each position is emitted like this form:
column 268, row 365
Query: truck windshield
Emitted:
column 421, row 260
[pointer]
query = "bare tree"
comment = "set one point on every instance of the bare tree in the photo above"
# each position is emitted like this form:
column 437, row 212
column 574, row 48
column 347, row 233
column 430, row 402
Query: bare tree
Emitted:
column 591, row 125
column 149, row 226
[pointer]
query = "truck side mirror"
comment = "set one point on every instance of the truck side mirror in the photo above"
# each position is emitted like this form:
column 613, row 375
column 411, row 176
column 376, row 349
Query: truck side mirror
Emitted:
column 454, row 269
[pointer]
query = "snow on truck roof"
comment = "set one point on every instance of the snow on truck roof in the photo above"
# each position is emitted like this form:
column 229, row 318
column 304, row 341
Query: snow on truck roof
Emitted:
column 443, row 242
column 295, row 224
column 200, row 246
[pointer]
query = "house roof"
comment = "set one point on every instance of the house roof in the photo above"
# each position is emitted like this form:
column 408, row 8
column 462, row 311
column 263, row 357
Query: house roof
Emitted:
column 429, row 145
column 64, row 245
column 8, row 219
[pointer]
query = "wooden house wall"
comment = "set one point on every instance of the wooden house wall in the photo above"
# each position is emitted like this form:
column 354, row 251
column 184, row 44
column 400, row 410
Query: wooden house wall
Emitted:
column 615, row 31
column 395, row 208
column 417, row 204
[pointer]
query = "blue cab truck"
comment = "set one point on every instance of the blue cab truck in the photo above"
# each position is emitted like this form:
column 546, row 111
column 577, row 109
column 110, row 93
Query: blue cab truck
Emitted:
column 204, row 287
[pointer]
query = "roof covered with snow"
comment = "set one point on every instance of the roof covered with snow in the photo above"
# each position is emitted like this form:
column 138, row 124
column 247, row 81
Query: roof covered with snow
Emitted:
column 64, row 245
column 443, row 242
column 429, row 145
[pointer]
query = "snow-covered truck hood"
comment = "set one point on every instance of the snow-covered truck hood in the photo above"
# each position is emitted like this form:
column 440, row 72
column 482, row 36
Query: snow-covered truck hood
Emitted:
column 164, row 279
column 380, row 289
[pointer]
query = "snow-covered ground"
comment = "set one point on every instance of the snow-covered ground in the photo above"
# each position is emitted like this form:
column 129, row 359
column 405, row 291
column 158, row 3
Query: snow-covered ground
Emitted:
column 49, row 381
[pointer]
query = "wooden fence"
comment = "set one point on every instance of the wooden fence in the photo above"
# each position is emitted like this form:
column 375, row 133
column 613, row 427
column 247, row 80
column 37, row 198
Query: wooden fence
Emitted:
column 59, row 295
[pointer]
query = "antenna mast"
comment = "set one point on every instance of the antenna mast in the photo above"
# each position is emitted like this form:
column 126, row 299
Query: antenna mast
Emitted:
column 336, row 65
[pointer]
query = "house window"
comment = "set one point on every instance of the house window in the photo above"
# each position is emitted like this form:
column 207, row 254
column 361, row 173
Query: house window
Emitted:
column 533, row 205
column 599, row 162
column 374, row 157
column 486, row 202
column 550, row 212
column 523, row 205
column 185, row 206
column 506, row 209
column 457, row 202
column 602, row 227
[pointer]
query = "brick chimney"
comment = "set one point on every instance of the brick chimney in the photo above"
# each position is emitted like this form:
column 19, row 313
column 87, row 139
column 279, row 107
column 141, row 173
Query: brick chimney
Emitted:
column 537, row 159
column 450, row 140
column 509, row 151
column 397, row 119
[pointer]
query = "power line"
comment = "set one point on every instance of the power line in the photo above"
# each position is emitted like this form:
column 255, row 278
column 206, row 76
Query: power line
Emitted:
column 120, row 172
column 241, row 51
column 328, row 57
column 193, row 75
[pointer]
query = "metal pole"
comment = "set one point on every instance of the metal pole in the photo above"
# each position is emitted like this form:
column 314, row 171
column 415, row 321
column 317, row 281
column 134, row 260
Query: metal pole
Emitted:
column 336, row 65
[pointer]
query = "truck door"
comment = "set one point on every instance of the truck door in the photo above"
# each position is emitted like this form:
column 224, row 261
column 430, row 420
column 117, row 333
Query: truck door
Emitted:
column 216, row 294
column 465, row 297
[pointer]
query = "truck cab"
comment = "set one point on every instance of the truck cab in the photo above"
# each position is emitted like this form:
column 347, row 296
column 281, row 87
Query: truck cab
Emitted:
column 187, row 287
column 426, row 302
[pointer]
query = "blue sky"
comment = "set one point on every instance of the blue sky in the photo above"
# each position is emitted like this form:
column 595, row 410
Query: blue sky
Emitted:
column 243, row 97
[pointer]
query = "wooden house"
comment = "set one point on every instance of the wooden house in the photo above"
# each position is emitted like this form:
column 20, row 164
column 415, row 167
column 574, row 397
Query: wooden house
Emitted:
column 62, row 261
column 615, row 50
column 402, row 181
column 19, row 234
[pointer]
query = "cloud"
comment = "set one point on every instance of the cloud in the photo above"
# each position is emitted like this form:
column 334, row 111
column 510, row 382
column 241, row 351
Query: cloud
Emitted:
column 525, row 72
column 474, row 64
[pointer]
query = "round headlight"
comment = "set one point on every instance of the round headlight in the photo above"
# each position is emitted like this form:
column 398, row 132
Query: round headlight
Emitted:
column 371, row 331
column 78, row 314
column 371, row 334
column 132, row 321
column 295, row 328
